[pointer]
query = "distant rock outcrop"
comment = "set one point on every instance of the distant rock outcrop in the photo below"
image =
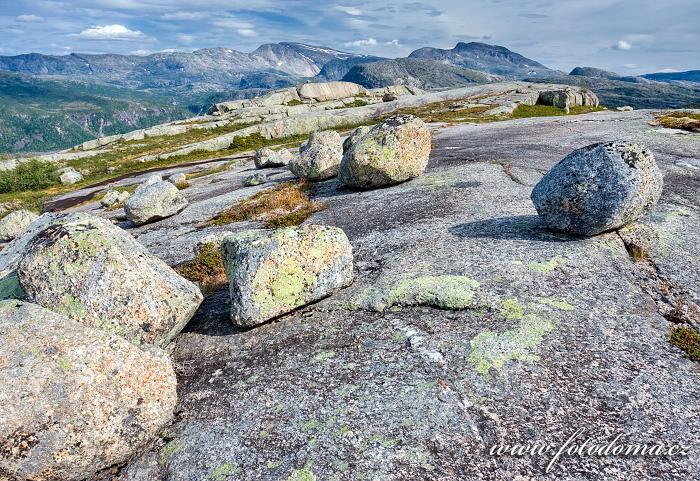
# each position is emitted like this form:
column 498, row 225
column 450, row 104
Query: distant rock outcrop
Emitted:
column 594, row 72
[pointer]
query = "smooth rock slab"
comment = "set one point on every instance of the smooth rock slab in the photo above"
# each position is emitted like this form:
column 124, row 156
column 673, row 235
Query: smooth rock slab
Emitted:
column 97, row 274
column 154, row 202
column 274, row 272
column 74, row 400
column 15, row 223
column 599, row 188
column 319, row 158
column 390, row 153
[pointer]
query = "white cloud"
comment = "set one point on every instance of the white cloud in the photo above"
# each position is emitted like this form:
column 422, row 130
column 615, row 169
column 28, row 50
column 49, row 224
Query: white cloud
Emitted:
column 393, row 43
column 185, row 38
column 631, row 65
column 232, row 23
column 111, row 32
column 668, row 70
column 140, row 52
column 184, row 16
column 354, row 11
column 368, row 42
column 30, row 18
column 622, row 45
column 247, row 32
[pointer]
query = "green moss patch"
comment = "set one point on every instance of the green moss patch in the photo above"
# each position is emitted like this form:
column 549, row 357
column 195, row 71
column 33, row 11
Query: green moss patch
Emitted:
column 688, row 340
column 206, row 269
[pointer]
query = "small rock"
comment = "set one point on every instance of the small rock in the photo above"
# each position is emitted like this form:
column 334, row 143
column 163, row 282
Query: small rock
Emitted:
column 86, row 268
column 389, row 97
column 319, row 158
column 354, row 136
column 267, row 157
column 599, row 188
column 389, row 153
column 154, row 202
column 274, row 272
column 114, row 197
column 70, row 176
column 255, row 179
column 74, row 400
column 15, row 223
column 626, row 108
column 153, row 179
column 179, row 180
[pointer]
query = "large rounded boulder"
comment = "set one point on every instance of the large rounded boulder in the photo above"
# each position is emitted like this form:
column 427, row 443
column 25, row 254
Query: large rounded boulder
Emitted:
column 96, row 273
column 154, row 202
column 15, row 223
column 599, row 188
column 319, row 158
column 272, row 272
column 73, row 400
column 392, row 152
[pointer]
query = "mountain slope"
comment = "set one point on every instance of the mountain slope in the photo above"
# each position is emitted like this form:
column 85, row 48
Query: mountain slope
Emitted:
column 689, row 76
column 594, row 72
column 426, row 74
column 42, row 115
column 485, row 58
column 338, row 68
column 204, row 70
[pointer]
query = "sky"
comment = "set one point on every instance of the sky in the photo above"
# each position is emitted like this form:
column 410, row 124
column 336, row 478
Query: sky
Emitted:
column 625, row 36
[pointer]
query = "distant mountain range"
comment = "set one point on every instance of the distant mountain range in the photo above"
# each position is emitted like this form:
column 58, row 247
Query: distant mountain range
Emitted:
column 49, row 102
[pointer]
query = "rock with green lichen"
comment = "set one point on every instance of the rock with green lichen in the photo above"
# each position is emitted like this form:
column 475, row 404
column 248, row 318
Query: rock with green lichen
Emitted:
column 154, row 202
column 599, row 188
column 443, row 292
column 96, row 273
column 354, row 136
column 255, row 179
column 389, row 153
column 319, row 158
column 75, row 400
column 15, row 223
column 272, row 272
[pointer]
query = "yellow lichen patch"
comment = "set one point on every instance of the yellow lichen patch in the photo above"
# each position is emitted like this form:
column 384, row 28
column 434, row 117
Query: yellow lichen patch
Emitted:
column 285, row 205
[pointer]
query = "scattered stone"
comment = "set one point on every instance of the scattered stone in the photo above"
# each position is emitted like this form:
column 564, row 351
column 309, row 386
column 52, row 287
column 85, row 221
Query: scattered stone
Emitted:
column 15, row 223
column 179, row 180
column 319, row 158
column 74, row 400
column 274, row 272
column 154, row 202
column 114, row 197
column 267, row 157
column 70, row 176
column 96, row 273
column 390, row 153
column 625, row 108
column 599, row 188
column 255, row 179
column 389, row 97
column 354, row 136
column 153, row 179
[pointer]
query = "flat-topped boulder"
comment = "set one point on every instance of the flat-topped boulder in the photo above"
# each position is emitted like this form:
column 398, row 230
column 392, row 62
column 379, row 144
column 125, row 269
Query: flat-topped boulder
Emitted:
column 74, row 400
column 324, row 92
column 274, row 272
column 96, row 273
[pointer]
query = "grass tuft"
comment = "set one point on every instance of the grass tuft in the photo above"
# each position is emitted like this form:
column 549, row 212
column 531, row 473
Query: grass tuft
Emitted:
column 206, row 269
column 688, row 340
column 284, row 205
column 680, row 120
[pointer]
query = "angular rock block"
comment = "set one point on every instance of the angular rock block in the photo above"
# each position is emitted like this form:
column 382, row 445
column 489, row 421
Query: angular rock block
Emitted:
column 75, row 400
column 99, row 275
column 274, row 272
column 599, row 188
column 389, row 153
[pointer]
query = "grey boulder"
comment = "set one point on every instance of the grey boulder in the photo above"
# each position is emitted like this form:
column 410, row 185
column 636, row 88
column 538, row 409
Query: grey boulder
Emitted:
column 389, row 153
column 272, row 272
column 599, row 188
column 354, row 136
column 267, row 157
column 70, row 176
column 114, row 197
column 154, row 202
column 255, row 179
column 88, row 269
column 15, row 223
column 179, row 180
column 319, row 158
column 73, row 400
